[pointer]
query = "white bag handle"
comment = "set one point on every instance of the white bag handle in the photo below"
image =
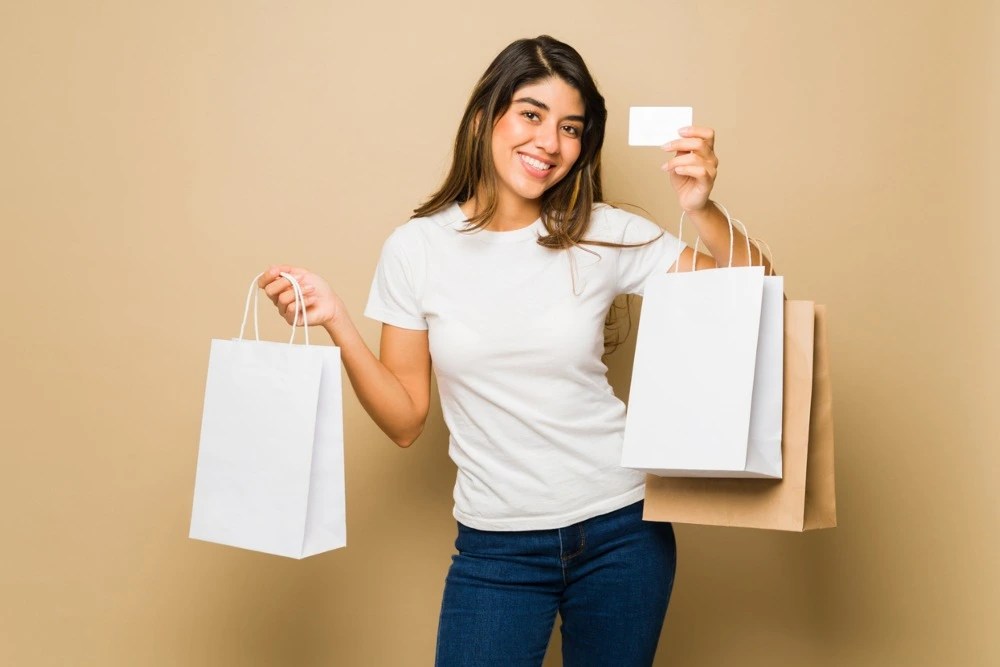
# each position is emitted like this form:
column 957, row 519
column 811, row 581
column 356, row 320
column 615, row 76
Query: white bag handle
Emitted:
column 300, row 303
column 770, row 254
column 732, row 238
column 746, row 235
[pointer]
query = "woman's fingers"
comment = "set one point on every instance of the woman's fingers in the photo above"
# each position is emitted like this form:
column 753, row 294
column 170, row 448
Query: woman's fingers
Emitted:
column 289, row 310
column 699, row 146
column 311, row 313
column 265, row 278
column 272, row 272
column 706, row 133
column 286, row 298
column 278, row 283
column 695, row 171
column 694, row 167
column 698, row 140
column 288, row 305
column 279, row 289
column 320, row 303
column 690, row 163
column 682, row 159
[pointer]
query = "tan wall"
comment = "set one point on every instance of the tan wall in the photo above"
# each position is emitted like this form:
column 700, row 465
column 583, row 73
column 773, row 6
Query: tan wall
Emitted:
column 156, row 155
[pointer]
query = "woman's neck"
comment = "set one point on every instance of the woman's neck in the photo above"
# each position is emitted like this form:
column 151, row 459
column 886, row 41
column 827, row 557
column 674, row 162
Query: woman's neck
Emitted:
column 510, row 215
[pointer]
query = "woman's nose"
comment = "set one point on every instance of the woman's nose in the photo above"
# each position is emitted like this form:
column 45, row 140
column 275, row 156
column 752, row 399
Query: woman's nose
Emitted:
column 547, row 138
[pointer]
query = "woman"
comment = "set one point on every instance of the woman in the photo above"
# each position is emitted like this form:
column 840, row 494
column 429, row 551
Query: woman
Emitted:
column 504, row 277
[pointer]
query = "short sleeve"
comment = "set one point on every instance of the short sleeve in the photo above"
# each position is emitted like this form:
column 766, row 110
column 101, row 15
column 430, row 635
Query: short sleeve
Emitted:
column 637, row 264
column 394, row 297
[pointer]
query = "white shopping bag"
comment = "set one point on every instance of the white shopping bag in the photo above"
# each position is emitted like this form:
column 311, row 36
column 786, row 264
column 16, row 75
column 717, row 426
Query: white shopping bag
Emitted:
column 270, row 472
column 694, row 380
column 766, row 407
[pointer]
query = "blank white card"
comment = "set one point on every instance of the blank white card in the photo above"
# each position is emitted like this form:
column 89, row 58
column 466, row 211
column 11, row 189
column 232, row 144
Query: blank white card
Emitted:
column 655, row 126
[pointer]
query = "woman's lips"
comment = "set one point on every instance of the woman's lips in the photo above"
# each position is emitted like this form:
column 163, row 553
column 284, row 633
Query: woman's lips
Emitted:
column 529, row 163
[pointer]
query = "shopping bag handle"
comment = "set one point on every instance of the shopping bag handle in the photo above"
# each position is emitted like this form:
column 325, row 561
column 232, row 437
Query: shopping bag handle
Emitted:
column 300, row 303
column 746, row 235
column 697, row 246
column 732, row 237
column 770, row 254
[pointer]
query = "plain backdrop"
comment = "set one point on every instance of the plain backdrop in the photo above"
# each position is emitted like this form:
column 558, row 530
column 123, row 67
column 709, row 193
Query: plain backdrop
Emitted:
column 155, row 156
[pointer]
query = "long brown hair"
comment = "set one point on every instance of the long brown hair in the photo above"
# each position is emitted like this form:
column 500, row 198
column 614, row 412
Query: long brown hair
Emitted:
column 567, row 205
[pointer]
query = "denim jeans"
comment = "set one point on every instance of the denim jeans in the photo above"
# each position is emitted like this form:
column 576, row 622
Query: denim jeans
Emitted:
column 609, row 577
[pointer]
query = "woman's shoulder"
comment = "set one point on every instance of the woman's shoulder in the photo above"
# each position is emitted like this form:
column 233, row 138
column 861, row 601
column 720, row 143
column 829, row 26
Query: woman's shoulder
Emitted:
column 422, row 226
column 612, row 224
column 416, row 235
column 447, row 216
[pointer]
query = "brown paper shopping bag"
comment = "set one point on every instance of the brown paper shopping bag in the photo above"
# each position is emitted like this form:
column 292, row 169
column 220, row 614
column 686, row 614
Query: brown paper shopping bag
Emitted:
column 804, row 499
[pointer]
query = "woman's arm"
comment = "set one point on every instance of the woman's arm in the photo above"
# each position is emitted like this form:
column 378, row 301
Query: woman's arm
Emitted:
column 692, row 173
column 713, row 228
column 393, row 389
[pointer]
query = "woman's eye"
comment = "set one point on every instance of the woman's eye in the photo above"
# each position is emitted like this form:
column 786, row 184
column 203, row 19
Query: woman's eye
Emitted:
column 572, row 130
column 530, row 115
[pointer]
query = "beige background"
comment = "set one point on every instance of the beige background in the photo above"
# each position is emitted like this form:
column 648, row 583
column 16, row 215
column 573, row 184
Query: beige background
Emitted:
column 156, row 155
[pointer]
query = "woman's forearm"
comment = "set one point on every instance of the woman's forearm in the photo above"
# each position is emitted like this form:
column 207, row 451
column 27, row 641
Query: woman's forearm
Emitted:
column 711, row 225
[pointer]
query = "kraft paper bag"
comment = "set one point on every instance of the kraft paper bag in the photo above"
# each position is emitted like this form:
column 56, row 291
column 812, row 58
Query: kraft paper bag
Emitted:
column 270, row 473
column 805, row 498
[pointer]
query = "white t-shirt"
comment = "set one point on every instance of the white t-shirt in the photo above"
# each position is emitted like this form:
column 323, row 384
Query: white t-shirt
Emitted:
column 516, row 335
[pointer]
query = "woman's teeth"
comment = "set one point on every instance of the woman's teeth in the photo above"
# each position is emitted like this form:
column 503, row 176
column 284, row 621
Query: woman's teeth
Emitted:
column 536, row 164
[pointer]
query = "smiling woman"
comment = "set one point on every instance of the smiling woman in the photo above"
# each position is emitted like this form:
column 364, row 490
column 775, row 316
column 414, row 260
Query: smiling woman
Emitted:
column 535, row 144
column 545, row 108
column 504, row 277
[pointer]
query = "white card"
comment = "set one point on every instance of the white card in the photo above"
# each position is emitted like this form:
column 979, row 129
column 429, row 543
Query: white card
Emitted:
column 655, row 126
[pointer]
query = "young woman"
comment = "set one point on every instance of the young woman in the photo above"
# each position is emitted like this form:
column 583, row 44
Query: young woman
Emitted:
column 504, row 277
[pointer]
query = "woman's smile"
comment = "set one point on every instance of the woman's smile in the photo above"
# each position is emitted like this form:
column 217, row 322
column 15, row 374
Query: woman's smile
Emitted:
column 535, row 166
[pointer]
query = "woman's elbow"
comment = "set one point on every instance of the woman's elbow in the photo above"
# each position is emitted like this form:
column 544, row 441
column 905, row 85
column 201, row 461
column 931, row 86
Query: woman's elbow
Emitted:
column 404, row 440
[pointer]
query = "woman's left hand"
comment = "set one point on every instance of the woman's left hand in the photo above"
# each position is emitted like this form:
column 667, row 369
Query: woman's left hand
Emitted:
column 693, row 170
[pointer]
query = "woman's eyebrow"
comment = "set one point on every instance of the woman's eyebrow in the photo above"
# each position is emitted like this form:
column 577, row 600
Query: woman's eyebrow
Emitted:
column 545, row 107
column 532, row 100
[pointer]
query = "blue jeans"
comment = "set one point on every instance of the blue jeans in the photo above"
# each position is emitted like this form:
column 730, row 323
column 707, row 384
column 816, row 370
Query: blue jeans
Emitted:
column 609, row 577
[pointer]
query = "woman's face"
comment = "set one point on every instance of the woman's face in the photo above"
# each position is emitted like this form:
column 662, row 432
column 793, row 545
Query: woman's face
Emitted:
column 537, row 141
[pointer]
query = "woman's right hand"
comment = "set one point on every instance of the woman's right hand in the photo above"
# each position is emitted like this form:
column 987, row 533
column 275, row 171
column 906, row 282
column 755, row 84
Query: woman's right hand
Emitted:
column 323, row 306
